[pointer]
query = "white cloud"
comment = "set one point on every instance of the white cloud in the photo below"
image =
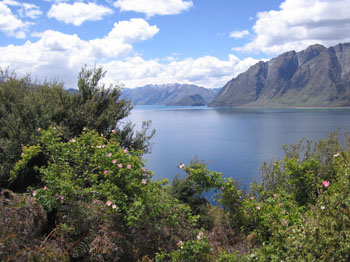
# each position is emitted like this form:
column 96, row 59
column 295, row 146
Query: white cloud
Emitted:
column 205, row 71
column 239, row 34
column 58, row 54
column 26, row 9
column 10, row 24
column 154, row 7
column 298, row 24
column 78, row 12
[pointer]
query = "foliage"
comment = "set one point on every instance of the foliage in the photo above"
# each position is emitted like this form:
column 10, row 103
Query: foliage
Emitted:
column 94, row 173
column 25, row 106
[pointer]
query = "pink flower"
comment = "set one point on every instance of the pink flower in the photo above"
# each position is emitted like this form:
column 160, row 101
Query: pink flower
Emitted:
column 113, row 131
column 235, row 204
column 114, row 206
column 252, row 198
column 126, row 151
column 105, row 172
column 258, row 208
column 105, row 139
column 336, row 155
column 182, row 166
column 143, row 169
column 61, row 197
column 326, row 183
column 103, row 146
column 144, row 174
column 44, row 188
column 144, row 181
column 34, row 193
column 120, row 165
column 323, row 207
column 222, row 188
column 114, row 161
column 39, row 129
column 22, row 154
column 108, row 203
column 280, row 204
column 200, row 235
column 180, row 244
column 109, row 154
column 284, row 222
column 128, row 166
column 91, row 146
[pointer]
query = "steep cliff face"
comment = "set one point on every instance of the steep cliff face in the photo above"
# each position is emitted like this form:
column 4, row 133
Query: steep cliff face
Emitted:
column 316, row 76
column 167, row 94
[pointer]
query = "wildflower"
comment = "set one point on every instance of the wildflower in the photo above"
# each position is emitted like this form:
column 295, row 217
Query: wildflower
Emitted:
column 101, row 134
column 84, row 129
column 128, row 166
column 275, row 195
column 144, row 181
column 39, row 129
column 144, row 174
column 120, row 165
column 98, row 146
column 105, row 172
column 114, row 206
column 258, row 208
column 252, row 198
column 143, row 169
column 22, row 154
column 200, row 235
column 235, row 204
column 222, row 188
column 113, row 131
column 72, row 140
column 126, row 151
column 336, row 155
column 44, row 188
column 91, row 146
column 284, row 222
column 280, row 204
column 323, row 207
column 108, row 203
column 105, row 139
column 180, row 243
column 103, row 146
column 61, row 197
column 114, row 161
column 182, row 166
column 326, row 183
column 109, row 154
column 34, row 193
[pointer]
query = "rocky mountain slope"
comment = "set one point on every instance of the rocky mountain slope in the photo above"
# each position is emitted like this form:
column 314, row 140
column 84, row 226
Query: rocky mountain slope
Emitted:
column 315, row 77
column 172, row 94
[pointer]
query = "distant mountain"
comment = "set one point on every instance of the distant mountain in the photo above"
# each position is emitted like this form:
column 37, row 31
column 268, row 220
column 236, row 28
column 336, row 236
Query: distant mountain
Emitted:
column 315, row 77
column 171, row 94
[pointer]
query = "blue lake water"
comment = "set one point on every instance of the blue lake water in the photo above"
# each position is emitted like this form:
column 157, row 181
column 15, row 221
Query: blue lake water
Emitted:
column 234, row 141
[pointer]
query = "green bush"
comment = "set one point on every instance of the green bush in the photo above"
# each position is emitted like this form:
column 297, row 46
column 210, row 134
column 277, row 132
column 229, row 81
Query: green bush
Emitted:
column 25, row 107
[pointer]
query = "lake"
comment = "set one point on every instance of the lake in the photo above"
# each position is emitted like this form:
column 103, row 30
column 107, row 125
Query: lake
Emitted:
column 234, row 141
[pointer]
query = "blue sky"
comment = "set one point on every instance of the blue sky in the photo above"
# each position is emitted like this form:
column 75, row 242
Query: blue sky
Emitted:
column 139, row 42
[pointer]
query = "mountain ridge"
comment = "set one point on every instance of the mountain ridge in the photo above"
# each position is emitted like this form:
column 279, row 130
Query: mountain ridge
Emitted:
column 169, row 94
column 314, row 77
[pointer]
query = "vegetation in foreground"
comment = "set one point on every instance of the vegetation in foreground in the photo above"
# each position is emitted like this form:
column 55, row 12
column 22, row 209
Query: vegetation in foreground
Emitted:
column 86, row 196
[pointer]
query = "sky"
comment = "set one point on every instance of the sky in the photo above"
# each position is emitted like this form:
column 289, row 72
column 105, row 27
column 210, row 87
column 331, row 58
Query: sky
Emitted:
column 140, row 42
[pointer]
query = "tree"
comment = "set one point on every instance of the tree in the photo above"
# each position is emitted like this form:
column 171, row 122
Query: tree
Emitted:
column 26, row 106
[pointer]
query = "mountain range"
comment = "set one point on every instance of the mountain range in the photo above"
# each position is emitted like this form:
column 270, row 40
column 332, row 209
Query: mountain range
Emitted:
column 315, row 77
column 170, row 94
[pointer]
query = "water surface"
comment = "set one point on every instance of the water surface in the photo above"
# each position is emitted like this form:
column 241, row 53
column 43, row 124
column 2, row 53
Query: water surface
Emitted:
column 234, row 141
